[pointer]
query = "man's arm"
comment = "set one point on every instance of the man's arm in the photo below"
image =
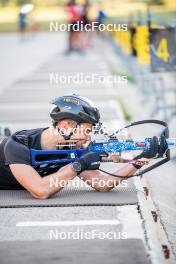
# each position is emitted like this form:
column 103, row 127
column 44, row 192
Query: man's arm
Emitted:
column 42, row 188
column 104, row 182
column 39, row 187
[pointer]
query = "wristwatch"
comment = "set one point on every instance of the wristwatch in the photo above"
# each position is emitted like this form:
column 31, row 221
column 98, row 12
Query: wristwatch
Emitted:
column 76, row 166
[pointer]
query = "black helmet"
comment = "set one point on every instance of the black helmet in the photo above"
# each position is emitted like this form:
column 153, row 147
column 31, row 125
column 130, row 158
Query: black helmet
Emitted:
column 75, row 107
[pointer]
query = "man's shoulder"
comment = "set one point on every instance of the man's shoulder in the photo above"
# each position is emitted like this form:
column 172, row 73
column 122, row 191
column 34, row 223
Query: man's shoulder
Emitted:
column 27, row 137
column 20, row 138
column 11, row 143
column 28, row 132
column 16, row 152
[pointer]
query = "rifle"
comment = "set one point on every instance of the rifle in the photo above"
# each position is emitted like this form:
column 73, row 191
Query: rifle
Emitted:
column 110, row 145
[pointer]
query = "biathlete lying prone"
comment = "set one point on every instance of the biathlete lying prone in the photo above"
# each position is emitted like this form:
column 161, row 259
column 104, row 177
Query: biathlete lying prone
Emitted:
column 68, row 113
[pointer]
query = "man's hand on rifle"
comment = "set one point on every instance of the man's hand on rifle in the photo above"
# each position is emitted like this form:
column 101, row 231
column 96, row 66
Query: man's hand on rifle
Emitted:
column 156, row 149
column 89, row 161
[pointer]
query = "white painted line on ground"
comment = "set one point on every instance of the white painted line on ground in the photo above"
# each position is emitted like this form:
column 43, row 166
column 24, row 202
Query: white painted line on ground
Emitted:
column 67, row 223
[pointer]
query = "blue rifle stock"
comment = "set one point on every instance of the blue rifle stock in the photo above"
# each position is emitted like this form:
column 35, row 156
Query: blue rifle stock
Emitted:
column 112, row 146
column 104, row 147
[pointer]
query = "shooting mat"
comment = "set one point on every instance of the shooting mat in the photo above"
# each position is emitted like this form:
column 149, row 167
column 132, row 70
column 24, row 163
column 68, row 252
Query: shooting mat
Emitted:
column 72, row 196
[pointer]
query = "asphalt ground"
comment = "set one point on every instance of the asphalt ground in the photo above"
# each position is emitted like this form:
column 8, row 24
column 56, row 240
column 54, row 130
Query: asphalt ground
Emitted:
column 20, row 58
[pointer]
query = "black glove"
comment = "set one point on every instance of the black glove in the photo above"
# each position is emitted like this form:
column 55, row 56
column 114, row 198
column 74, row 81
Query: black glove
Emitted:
column 157, row 148
column 152, row 151
column 163, row 146
column 89, row 161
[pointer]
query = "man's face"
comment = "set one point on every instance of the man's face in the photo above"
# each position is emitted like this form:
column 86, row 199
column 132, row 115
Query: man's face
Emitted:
column 81, row 132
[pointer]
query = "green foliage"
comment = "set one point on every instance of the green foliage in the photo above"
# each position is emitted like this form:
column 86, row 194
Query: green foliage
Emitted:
column 22, row 2
column 8, row 27
column 152, row 2
column 4, row 2
column 126, row 114
column 156, row 2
